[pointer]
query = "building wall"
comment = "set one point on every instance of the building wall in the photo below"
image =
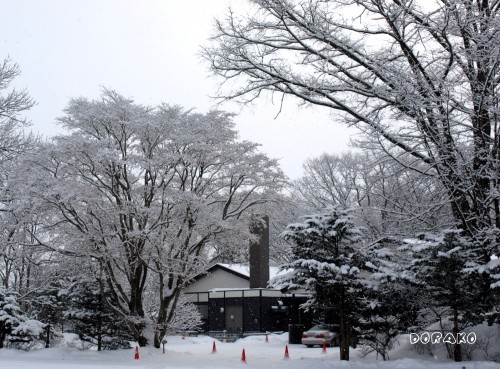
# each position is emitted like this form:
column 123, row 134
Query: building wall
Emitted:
column 217, row 279
column 227, row 303
column 254, row 310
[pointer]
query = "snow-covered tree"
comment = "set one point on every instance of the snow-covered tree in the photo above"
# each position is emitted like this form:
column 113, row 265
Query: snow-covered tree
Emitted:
column 326, row 262
column 393, row 199
column 10, row 313
column 13, row 141
column 92, row 319
column 384, row 313
column 146, row 192
column 449, row 291
column 47, row 304
column 185, row 317
column 12, row 103
column 14, row 325
column 420, row 78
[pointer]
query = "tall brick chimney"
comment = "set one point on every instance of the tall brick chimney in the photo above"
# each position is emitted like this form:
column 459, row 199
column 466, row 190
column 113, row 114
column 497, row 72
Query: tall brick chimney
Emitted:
column 259, row 252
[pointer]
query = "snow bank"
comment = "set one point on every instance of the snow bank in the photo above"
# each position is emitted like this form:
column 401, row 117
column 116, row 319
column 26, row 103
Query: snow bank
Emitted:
column 196, row 352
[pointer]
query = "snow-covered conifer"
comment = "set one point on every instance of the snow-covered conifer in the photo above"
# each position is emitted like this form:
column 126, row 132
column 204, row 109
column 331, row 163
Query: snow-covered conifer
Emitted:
column 91, row 317
column 450, row 292
column 15, row 327
column 326, row 262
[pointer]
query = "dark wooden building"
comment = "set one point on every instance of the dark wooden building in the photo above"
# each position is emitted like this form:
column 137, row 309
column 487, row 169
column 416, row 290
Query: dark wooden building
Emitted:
column 241, row 309
column 235, row 298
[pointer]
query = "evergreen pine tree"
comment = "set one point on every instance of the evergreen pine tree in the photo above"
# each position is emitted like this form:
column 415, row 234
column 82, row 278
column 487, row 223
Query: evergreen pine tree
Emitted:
column 327, row 262
column 92, row 317
column 383, row 315
column 15, row 327
column 385, row 309
column 440, row 270
column 10, row 313
column 48, row 305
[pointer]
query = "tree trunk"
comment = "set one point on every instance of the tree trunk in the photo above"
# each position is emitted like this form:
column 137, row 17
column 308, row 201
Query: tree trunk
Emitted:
column 457, row 348
column 47, row 337
column 159, row 334
column 2, row 335
column 99, row 333
column 136, row 328
column 344, row 337
column 164, row 315
column 345, row 329
column 134, row 312
column 101, row 309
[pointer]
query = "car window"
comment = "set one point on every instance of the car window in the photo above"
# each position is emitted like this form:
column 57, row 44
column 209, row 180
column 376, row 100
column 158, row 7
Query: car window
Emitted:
column 319, row 328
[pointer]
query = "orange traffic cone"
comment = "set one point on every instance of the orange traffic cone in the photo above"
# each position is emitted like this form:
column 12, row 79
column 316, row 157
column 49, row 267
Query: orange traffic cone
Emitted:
column 214, row 348
column 136, row 355
column 243, row 356
column 287, row 356
column 324, row 347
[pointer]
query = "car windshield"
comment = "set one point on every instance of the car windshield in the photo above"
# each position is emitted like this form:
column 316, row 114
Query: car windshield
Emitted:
column 319, row 328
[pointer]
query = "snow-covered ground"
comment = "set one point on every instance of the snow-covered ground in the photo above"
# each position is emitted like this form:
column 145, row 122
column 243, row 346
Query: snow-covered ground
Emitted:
column 196, row 352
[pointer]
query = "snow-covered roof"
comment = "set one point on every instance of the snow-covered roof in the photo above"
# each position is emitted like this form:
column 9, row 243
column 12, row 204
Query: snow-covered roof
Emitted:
column 244, row 269
column 237, row 277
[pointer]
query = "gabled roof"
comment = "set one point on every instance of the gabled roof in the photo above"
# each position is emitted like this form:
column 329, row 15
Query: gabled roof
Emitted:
column 225, row 267
column 244, row 269
column 239, row 270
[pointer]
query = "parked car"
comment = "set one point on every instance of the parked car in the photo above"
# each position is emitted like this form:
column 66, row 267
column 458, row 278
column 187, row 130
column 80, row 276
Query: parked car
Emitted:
column 319, row 334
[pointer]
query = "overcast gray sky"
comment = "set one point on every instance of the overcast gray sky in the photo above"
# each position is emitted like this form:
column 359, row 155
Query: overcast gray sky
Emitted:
column 147, row 50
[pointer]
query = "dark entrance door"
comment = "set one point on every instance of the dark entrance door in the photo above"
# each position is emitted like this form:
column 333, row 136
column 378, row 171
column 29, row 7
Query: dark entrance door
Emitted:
column 234, row 319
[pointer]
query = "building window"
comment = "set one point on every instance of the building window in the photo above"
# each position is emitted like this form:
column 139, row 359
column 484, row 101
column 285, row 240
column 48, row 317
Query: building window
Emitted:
column 203, row 309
